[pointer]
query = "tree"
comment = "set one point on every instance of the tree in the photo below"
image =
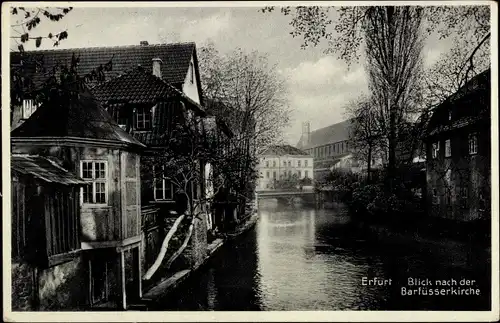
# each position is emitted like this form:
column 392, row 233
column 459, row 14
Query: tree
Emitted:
column 63, row 80
column 251, row 97
column 364, row 136
column 191, row 145
column 247, row 83
column 392, row 39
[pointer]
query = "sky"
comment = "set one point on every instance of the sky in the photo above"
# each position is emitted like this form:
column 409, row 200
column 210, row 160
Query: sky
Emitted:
column 319, row 86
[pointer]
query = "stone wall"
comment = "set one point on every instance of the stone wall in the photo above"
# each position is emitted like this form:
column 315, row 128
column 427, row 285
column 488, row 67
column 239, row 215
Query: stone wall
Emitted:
column 63, row 287
column 22, row 287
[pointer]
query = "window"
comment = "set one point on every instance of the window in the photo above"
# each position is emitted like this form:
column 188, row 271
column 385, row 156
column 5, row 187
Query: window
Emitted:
column 289, row 164
column 95, row 172
column 305, row 163
column 463, row 196
column 267, row 163
column 267, row 174
column 472, row 144
column 435, row 149
column 191, row 73
column 284, row 163
column 121, row 119
column 163, row 188
column 300, row 174
column 299, row 163
column 447, row 148
column 289, row 173
column 143, row 118
column 333, row 146
column 274, row 175
column 28, row 108
column 306, row 174
column 274, row 163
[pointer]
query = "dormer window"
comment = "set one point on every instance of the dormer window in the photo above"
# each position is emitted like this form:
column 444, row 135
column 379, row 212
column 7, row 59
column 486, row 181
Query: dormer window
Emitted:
column 28, row 108
column 121, row 119
column 143, row 118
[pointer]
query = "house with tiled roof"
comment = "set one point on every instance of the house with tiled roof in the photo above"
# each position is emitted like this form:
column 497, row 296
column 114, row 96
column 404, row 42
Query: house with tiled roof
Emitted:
column 77, row 207
column 283, row 162
column 458, row 154
column 147, row 90
column 177, row 64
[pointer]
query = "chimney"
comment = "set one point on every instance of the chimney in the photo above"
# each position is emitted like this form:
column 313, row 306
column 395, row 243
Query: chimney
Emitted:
column 144, row 43
column 306, row 133
column 157, row 67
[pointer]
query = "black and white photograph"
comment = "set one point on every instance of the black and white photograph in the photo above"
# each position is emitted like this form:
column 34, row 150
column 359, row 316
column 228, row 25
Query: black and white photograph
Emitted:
column 332, row 160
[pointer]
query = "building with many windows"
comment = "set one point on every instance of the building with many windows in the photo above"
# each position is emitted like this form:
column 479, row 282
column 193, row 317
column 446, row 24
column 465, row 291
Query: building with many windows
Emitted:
column 458, row 154
column 330, row 146
column 284, row 162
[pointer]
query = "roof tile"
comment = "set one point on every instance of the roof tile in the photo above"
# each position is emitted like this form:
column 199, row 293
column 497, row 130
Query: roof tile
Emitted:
column 176, row 58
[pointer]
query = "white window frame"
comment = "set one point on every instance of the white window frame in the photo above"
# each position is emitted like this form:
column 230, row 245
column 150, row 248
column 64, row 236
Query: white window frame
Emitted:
column 140, row 118
column 472, row 143
column 305, row 163
column 274, row 163
column 267, row 163
column 299, row 163
column 447, row 148
column 94, row 181
column 267, row 174
column 29, row 107
column 163, row 188
column 306, row 174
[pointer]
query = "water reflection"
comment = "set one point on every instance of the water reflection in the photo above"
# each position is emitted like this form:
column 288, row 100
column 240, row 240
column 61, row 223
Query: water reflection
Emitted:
column 304, row 259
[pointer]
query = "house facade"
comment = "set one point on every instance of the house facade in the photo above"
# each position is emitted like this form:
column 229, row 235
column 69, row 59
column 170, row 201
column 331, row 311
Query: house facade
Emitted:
column 87, row 232
column 282, row 162
column 458, row 166
column 127, row 209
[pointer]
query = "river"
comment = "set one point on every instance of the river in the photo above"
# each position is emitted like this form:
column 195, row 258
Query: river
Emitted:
column 306, row 259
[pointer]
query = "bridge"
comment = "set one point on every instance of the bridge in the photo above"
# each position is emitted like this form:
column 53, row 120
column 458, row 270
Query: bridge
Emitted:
column 287, row 197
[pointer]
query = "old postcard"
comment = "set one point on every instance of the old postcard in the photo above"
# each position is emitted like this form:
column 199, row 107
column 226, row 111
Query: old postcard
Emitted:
column 250, row 161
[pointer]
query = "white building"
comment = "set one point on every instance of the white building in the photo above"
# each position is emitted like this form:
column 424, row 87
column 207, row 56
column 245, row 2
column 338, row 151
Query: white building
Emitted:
column 283, row 162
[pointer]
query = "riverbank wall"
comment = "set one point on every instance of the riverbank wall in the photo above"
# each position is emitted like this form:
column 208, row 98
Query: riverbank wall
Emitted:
column 171, row 282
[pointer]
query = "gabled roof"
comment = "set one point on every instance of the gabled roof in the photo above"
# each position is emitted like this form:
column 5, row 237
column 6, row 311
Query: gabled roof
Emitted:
column 135, row 86
column 282, row 150
column 176, row 59
column 79, row 117
column 327, row 135
column 44, row 169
